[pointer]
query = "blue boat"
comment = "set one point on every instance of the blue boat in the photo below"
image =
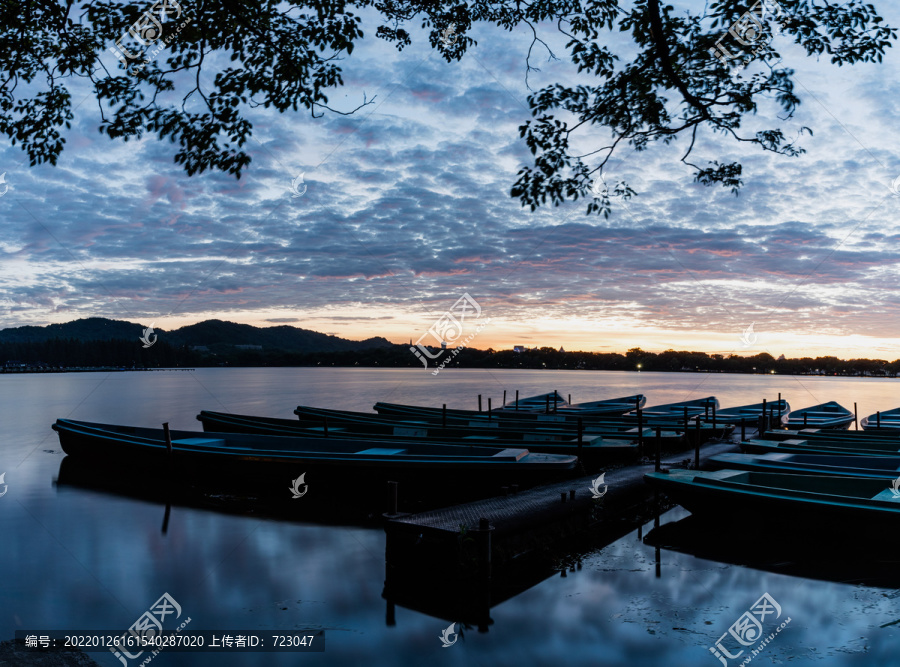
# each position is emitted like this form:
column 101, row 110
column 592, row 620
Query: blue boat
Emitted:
column 881, row 467
column 888, row 420
column 824, row 415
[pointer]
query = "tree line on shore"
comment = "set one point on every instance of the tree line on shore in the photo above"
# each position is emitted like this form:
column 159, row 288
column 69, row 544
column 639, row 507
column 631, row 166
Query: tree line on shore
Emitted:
column 72, row 353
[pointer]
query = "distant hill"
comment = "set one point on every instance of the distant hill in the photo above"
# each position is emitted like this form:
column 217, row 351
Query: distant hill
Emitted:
column 210, row 333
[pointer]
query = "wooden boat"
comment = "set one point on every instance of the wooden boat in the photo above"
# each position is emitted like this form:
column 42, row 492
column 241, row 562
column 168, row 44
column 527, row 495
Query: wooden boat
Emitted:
column 549, row 402
column 834, row 504
column 824, row 415
column 610, row 406
column 887, row 420
column 820, row 447
column 341, row 467
column 593, row 449
column 700, row 406
column 750, row 413
column 881, row 467
column 535, row 428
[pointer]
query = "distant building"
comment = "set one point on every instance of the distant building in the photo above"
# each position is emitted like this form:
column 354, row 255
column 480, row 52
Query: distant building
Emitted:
column 519, row 348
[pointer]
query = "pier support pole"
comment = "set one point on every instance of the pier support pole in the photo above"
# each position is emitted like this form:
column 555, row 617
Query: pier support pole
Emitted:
column 804, row 419
column 490, row 410
column 765, row 416
column 855, row 422
column 780, row 406
column 484, row 534
column 640, row 416
column 504, row 398
column 570, row 399
column 878, row 419
column 714, row 418
column 697, row 447
column 479, row 402
column 392, row 498
column 555, row 400
column 658, row 446
column 444, row 416
column 517, row 400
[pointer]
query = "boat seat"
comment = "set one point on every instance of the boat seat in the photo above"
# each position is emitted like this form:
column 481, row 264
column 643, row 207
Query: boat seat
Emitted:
column 381, row 451
column 511, row 454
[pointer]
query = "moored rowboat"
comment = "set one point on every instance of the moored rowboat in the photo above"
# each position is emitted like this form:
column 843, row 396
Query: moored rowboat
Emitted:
column 824, row 415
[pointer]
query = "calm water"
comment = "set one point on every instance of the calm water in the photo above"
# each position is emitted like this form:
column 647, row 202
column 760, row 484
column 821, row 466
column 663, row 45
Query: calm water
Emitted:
column 82, row 559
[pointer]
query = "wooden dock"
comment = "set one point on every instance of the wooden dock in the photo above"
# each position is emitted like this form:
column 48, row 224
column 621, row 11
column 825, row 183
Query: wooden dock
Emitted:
column 473, row 537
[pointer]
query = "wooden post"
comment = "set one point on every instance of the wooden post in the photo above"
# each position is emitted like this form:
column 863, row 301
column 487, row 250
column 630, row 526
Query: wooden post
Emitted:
column 658, row 446
column 479, row 402
column 504, row 398
column 765, row 420
column 570, row 399
column 444, row 416
column 804, row 419
column 780, row 405
column 714, row 417
column 392, row 497
column 640, row 417
column 168, row 437
column 517, row 399
column 555, row 400
column 490, row 410
column 855, row 422
column 878, row 419
column 697, row 447
column 743, row 430
column 484, row 533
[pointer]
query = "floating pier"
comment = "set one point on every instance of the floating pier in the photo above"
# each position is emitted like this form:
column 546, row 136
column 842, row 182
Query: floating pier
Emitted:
column 473, row 538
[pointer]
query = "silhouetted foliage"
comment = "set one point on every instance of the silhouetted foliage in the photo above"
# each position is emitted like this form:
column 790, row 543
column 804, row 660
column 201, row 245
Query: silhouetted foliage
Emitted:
column 222, row 58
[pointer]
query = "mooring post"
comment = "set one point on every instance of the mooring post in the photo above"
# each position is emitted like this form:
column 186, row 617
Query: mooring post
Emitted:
column 479, row 402
column 878, row 419
column 484, row 532
column 780, row 406
column 640, row 430
column 706, row 411
column 697, row 447
column 855, row 423
column 504, row 398
column 658, row 445
column 517, row 400
column 760, row 426
column 804, row 419
column 743, row 430
column 392, row 498
column 765, row 416
column 168, row 437
column 444, row 416
column 570, row 399
column 714, row 418
column 490, row 410
column 555, row 400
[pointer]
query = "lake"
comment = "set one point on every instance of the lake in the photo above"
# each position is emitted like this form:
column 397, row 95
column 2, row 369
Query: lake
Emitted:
column 82, row 559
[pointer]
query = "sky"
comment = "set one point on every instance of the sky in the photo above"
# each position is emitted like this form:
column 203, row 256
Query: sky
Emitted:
column 406, row 208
